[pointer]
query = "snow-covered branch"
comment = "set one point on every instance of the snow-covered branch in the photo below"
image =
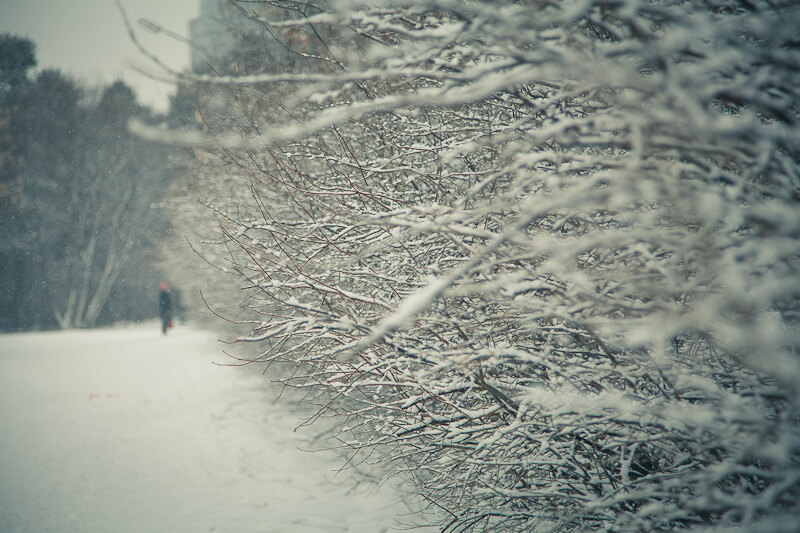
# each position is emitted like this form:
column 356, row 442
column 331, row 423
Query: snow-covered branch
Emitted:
column 540, row 256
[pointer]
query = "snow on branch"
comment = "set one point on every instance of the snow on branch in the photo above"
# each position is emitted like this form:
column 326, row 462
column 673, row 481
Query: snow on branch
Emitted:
column 542, row 257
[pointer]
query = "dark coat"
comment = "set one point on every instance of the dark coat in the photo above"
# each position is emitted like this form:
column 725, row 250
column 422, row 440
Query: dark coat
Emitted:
column 164, row 304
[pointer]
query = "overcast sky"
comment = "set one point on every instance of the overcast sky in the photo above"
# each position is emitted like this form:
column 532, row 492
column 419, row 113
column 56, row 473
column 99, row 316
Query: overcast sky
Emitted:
column 88, row 39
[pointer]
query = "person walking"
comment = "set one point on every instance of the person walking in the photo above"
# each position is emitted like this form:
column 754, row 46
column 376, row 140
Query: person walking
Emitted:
column 165, row 307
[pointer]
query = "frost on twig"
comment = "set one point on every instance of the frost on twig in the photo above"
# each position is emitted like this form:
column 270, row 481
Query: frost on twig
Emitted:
column 542, row 257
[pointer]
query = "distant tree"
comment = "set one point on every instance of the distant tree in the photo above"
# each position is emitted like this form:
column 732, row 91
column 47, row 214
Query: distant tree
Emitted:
column 117, row 104
column 17, row 58
column 115, row 178
column 43, row 117
column 182, row 107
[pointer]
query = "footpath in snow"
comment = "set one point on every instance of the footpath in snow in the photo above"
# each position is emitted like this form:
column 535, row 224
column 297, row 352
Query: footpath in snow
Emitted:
column 125, row 430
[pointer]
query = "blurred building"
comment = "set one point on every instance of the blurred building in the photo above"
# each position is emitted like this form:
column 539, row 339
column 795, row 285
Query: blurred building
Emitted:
column 226, row 40
column 214, row 32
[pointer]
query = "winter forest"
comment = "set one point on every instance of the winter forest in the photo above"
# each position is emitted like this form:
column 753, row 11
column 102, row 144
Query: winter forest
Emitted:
column 540, row 260
column 78, row 237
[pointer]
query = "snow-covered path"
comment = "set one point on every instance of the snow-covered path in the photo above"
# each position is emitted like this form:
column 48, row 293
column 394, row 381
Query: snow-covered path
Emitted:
column 126, row 430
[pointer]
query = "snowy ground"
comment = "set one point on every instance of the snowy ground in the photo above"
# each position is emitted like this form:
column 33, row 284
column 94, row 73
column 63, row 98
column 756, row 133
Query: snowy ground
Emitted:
column 125, row 430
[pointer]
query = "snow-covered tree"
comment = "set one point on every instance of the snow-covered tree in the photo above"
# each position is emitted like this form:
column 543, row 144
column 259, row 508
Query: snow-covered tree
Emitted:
column 540, row 256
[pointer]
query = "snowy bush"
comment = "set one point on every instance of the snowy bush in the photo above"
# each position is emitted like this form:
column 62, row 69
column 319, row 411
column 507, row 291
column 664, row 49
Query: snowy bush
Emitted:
column 540, row 256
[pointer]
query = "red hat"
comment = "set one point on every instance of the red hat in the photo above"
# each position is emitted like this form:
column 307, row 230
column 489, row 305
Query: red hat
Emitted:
column 164, row 286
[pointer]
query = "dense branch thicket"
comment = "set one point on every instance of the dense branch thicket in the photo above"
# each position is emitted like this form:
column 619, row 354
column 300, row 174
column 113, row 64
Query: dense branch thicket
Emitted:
column 540, row 256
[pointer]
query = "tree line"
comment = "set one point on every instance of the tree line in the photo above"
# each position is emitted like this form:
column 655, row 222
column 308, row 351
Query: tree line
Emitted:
column 79, row 197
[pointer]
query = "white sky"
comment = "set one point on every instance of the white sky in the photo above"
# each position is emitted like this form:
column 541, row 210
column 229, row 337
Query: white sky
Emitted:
column 88, row 39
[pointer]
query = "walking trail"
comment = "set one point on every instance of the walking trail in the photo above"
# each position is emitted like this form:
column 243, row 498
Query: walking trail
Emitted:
column 122, row 429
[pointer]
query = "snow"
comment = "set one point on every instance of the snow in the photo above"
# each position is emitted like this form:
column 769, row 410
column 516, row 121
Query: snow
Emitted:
column 125, row 430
